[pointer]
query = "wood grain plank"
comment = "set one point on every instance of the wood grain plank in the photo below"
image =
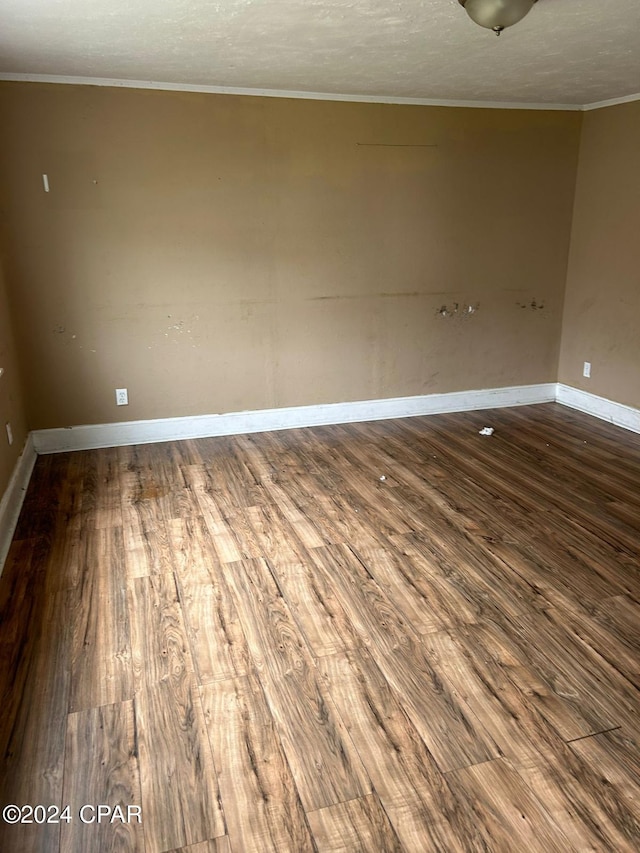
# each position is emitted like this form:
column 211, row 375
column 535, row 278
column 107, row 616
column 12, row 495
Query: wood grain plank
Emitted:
column 602, row 477
column 261, row 804
column 573, row 795
column 490, row 587
column 314, row 604
column 34, row 730
column 556, row 572
column 191, row 545
column 579, row 800
column 362, row 478
column 582, row 554
column 618, row 619
column 21, row 603
column 178, row 780
column 152, row 484
column 355, row 826
column 550, row 695
column 494, row 463
column 307, row 532
column 275, row 538
column 240, row 530
column 614, row 758
column 468, row 679
column 324, row 763
column 567, row 431
column 218, row 645
column 101, row 768
column 453, row 736
column 514, row 442
column 146, row 545
column 576, row 672
column 66, row 559
column 228, row 483
column 213, row 845
column 437, row 586
column 415, row 794
column 101, row 501
column 408, row 587
column 101, row 663
column 214, row 512
column 256, row 458
column 430, row 483
column 617, row 647
column 146, row 485
column 509, row 814
column 41, row 517
column 343, row 520
column 158, row 634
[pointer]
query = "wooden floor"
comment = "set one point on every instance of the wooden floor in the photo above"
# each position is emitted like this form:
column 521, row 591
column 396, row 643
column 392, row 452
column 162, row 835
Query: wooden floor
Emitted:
column 396, row 636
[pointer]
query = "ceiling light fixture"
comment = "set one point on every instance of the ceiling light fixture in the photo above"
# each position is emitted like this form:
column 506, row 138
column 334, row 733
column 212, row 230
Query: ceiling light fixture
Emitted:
column 496, row 15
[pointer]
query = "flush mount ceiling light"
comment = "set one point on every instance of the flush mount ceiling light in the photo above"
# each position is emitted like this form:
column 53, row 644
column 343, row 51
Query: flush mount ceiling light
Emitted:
column 496, row 15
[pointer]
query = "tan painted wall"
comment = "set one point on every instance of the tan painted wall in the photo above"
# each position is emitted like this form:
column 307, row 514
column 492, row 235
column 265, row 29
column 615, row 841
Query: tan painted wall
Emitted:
column 217, row 253
column 11, row 407
column 602, row 309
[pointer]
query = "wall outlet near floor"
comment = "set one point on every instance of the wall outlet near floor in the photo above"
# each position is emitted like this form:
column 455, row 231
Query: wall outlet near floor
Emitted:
column 586, row 370
column 122, row 397
column 9, row 434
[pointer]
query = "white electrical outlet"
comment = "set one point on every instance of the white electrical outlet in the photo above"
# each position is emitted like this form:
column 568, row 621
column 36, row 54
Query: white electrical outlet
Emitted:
column 586, row 370
column 122, row 397
column 9, row 434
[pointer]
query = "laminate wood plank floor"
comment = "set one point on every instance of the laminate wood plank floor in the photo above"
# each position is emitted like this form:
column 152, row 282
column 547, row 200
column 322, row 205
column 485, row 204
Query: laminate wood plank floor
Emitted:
column 387, row 636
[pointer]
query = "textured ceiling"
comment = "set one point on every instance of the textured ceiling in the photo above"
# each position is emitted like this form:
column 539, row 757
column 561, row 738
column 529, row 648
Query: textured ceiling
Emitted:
column 565, row 52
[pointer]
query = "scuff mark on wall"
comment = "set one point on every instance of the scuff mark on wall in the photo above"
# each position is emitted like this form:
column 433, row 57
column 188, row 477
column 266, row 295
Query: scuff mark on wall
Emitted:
column 533, row 305
column 457, row 310
column 397, row 144
column 181, row 328
column 61, row 330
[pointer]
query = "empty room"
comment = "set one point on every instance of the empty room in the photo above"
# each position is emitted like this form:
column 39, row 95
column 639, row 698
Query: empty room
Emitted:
column 320, row 426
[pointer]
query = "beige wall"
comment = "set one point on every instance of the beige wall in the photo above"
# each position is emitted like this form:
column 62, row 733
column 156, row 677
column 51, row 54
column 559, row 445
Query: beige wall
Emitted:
column 11, row 407
column 602, row 309
column 217, row 253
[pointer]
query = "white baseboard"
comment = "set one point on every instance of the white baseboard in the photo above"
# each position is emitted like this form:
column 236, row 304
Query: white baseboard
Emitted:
column 12, row 500
column 599, row 407
column 92, row 436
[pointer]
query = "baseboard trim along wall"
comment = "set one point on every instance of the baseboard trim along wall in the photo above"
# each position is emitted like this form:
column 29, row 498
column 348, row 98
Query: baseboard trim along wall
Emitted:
column 599, row 407
column 12, row 500
column 92, row 436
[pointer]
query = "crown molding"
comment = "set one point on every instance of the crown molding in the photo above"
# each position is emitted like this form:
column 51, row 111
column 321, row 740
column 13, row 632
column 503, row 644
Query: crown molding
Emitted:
column 612, row 102
column 280, row 93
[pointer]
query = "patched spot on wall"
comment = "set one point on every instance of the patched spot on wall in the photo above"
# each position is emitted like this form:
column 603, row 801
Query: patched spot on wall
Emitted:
column 533, row 305
column 457, row 310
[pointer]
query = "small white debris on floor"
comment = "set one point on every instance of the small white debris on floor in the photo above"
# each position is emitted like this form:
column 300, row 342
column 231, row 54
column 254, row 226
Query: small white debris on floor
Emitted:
column 382, row 479
column 486, row 431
